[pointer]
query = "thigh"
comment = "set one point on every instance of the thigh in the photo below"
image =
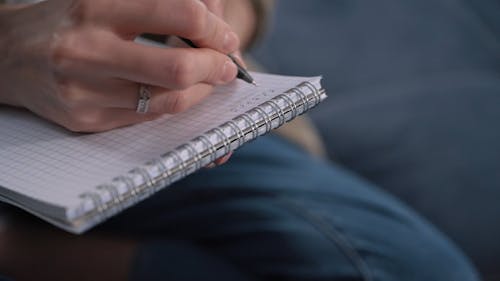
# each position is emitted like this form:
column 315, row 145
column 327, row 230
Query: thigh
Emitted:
column 276, row 213
column 414, row 111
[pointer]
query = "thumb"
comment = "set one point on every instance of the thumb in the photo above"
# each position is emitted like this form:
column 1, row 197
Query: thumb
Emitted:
column 215, row 6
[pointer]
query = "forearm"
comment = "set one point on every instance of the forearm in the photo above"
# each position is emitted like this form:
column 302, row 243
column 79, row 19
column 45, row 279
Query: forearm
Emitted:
column 7, row 95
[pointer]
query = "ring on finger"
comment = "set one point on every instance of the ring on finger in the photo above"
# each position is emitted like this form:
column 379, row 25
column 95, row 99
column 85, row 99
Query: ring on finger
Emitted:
column 144, row 99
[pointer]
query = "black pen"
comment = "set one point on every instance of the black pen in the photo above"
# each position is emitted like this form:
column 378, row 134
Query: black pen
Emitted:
column 242, row 72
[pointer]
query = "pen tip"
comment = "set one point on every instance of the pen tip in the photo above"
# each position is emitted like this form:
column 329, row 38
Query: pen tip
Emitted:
column 255, row 84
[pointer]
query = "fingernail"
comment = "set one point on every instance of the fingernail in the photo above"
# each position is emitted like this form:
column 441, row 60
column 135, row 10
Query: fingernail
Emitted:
column 231, row 42
column 211, row 166
column 224, row 158
column 229, row 71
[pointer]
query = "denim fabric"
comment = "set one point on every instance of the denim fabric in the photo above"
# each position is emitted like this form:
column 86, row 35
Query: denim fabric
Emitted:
column 274, row 213
column 414, row 102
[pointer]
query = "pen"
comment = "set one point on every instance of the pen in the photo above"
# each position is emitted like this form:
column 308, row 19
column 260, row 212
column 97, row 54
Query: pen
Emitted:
column 242, row 72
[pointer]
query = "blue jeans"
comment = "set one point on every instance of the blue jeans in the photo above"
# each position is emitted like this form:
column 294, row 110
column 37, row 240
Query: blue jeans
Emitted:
column 275, row 213
column 413, row 102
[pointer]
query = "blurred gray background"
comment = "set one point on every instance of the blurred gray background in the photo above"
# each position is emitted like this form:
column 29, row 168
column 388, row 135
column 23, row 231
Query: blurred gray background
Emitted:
column 414, row 102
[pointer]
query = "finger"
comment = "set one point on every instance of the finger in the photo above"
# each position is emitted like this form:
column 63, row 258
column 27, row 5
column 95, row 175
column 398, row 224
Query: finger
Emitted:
column 90, row 120
column 223, row 159
column 125, row 95
column 215, row 6
column 219, row 161
column 102, row 93
column 102, row 54
column 178, row 101
column 172, row 68
column 211, row 165
column 175, row 101
column 186, row 18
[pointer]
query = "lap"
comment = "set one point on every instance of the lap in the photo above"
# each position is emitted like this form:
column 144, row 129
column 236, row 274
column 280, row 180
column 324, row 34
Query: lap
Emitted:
column 274, row 211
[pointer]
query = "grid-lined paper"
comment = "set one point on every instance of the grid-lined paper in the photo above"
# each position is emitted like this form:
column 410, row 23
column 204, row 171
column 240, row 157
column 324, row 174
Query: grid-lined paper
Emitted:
column 50, row 164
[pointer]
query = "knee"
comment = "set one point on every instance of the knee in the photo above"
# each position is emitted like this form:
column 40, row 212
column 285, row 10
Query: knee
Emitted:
column 382, row 244
column 419, row 254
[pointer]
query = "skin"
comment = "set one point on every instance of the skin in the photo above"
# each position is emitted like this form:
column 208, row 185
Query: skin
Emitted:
column 77, row 66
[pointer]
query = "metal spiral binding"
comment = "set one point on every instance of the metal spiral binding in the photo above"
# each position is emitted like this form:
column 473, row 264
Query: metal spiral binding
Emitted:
column 267, row 119
column 197, row 157
column 178, row 158
column 116, row 198
column 303, row 98
column 96, row 199
column 279, row 111
column 209, row 145
column 254, row 127
column 150, row 182
column 317, row 95
column 113, row 192
column 103, row 210
column 291, row 104
column 127, row 181
column 226, row 143
column 239, row 132
column 165, row 173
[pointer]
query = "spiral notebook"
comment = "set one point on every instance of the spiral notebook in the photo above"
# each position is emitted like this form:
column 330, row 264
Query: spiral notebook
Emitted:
column 76, row 181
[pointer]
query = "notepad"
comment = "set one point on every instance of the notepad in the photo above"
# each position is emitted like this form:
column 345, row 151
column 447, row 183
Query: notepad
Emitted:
column 76, row 181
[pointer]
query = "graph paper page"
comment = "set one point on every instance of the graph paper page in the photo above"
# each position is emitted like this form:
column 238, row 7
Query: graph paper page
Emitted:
column 50, row 164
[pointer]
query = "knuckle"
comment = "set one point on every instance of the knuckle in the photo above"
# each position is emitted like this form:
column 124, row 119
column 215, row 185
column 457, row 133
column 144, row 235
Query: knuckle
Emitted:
column 84, row 122
column 77, row 47
column 70, row 96
column 80, row 11
column 197, row 14
column 90, row 11
column 70, row 99
column 64, row 50
column 74, row 48
column 182, row 71
column 174, row 102
column 181, row 104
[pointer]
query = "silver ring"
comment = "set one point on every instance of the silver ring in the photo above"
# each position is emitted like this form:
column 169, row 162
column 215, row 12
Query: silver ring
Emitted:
column 144, row 99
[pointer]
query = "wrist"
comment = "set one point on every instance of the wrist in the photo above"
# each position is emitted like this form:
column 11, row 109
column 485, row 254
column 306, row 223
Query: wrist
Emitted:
column 6, row 49
column 21, row 53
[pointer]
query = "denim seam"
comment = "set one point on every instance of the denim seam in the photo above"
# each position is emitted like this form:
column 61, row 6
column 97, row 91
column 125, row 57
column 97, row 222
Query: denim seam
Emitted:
column 331, row 233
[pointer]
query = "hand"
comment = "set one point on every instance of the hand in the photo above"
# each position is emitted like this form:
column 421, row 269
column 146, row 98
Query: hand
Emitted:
column 74, row 61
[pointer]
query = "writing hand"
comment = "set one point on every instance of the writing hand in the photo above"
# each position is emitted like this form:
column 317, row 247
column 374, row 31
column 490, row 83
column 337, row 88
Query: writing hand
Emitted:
column 75, row 62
